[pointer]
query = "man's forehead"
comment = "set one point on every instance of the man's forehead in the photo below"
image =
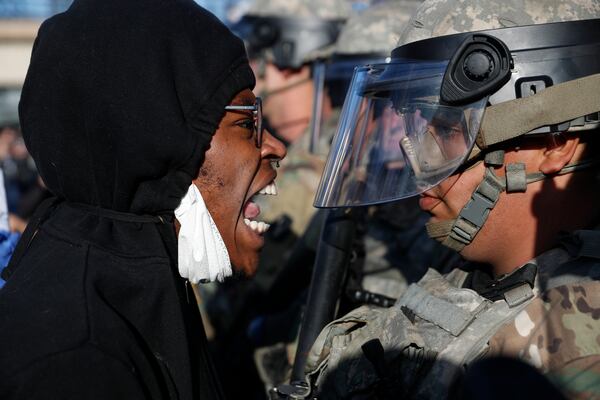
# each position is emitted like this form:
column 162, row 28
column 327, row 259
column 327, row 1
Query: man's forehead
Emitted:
column 245, row 98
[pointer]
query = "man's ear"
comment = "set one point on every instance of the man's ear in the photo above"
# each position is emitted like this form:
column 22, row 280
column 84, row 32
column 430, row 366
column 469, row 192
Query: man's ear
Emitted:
column 559, row 152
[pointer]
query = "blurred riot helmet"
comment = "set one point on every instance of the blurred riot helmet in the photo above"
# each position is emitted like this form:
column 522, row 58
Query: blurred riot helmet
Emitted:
column 286, row 31
column 366, row 38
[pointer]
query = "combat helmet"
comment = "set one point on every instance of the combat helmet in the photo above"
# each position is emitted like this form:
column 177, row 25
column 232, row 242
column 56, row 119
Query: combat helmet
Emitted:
column 467, row 78
column 286, row 31
column 376, row 30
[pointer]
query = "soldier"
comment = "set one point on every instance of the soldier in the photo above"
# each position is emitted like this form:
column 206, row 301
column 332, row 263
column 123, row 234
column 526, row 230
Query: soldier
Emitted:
column 490, row 111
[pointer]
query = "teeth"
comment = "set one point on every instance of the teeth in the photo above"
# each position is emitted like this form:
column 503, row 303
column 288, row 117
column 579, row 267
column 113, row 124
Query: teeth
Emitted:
column 270, row 189
column 263, row 226
column 257, row 226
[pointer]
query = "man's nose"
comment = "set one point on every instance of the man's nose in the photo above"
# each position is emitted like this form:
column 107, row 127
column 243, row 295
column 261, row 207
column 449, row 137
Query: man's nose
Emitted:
column 272, row 147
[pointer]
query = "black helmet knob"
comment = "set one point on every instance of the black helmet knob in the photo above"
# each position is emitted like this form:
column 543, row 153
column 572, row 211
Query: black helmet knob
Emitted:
column 478, row 65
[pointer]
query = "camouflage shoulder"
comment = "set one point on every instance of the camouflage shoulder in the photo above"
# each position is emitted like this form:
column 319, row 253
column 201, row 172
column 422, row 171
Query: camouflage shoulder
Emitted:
column 558, row 333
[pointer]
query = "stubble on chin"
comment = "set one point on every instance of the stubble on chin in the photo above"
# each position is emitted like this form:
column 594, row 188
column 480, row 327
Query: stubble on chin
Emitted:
column 238, row 275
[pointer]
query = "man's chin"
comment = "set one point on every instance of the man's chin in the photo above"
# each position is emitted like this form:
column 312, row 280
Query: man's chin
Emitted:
column 237, row 276
column 243, row 272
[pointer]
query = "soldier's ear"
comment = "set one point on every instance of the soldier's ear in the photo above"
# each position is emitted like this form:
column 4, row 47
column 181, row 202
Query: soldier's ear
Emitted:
column 559, row 151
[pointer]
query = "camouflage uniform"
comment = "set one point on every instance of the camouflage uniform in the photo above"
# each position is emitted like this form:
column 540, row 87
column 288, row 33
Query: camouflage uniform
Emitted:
column 437, row 327
column 558, row 333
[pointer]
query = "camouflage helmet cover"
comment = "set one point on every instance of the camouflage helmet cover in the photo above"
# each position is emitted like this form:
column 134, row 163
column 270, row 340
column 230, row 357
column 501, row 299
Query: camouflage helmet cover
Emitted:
column 445, row 17
column 375, row 30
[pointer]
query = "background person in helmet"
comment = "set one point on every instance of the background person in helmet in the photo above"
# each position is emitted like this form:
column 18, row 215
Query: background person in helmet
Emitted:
column 129, row 134
column 519, row 203
column 280, row 36
column 283, row 36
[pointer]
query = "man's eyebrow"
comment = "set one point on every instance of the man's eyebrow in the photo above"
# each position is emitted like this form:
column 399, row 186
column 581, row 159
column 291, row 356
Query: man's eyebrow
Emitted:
column 244, row 101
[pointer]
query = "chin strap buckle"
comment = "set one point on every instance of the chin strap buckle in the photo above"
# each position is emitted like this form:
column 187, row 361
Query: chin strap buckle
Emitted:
column 475, row 212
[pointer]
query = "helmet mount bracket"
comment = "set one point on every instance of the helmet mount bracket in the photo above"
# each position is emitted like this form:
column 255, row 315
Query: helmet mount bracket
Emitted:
column 480, row 66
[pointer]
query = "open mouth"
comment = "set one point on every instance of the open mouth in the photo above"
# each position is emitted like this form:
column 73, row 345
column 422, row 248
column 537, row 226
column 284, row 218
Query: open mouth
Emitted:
column 252, row 210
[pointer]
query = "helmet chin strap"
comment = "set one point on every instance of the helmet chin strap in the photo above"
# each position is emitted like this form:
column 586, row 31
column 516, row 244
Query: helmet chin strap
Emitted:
column 460, row 232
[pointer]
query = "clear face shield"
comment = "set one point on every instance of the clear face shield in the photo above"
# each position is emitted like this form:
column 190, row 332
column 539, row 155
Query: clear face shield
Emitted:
column 395, row 139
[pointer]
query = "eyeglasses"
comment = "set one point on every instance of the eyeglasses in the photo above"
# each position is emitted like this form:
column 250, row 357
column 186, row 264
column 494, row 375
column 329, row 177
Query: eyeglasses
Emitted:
column 258, row 122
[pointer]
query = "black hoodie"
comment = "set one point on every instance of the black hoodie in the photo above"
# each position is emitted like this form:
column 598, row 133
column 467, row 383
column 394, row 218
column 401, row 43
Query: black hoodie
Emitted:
column 120, row 102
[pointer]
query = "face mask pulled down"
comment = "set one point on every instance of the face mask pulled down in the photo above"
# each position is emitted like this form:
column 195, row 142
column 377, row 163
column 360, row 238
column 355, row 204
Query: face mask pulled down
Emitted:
column 202, row 255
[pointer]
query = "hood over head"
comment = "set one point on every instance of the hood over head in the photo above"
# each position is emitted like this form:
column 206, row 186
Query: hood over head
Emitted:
column 122, row 98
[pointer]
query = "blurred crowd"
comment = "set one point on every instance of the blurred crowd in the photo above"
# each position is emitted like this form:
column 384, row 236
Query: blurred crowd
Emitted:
column 24, row 188
column 23, row 191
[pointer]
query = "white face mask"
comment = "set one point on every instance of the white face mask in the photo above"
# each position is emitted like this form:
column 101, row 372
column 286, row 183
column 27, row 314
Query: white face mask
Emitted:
column 202, row 255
